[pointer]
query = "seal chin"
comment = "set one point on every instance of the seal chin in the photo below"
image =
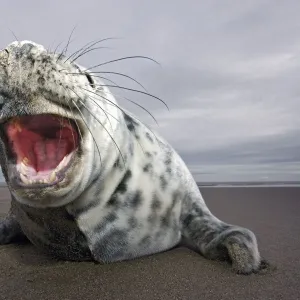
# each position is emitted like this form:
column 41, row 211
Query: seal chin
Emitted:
column 41, row 149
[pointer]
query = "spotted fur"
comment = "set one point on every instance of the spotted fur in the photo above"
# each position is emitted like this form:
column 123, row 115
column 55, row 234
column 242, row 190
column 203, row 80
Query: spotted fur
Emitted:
column 128, row 194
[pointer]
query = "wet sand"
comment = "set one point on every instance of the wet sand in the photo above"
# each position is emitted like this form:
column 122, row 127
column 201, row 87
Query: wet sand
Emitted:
column 273, row 213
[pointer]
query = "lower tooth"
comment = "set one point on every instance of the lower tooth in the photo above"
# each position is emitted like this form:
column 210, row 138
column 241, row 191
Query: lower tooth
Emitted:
column 24, row 179
column 52, row 177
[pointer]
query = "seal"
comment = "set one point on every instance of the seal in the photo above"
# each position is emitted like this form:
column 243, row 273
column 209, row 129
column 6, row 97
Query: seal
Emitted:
column 88, row 180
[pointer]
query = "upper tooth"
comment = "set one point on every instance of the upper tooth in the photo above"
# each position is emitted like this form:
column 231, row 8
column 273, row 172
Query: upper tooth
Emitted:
column 17, row 124
column 23, row 168
column 25, row 161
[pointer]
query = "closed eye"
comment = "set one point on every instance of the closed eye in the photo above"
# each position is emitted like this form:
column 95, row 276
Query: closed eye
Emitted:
column 90, row 79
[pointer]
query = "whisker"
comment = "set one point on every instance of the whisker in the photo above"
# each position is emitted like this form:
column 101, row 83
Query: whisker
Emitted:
column 119, row 86
column 67, row 45
column 115, row 105
column 106, row 99
column 50, row 46
column 115, row 73
column 60, row 125
column 14, row 35
column 122, row 58
column 133, row 102
column 132, row 90
column 83, row 119
column 74, row 118
column 87, row 46
column 82, row 102
column 143, row 108
column 57, row 47
column 120, row 74
column 87, row 51
column 105, row 112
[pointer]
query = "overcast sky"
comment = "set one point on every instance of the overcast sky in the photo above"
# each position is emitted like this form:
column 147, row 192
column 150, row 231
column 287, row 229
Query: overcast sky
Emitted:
column 229, row 72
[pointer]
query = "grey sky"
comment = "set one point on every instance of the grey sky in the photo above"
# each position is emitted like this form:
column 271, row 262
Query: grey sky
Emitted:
column 230, row 73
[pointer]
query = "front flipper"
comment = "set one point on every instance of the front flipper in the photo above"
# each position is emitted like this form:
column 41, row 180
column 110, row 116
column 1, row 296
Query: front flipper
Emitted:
column 10, row 231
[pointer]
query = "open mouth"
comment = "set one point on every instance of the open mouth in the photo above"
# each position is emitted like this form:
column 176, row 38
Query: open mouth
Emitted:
column 42, row 146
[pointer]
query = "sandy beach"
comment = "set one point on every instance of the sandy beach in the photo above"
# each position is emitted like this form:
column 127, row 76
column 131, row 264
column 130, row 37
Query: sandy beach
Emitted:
column 273, row 213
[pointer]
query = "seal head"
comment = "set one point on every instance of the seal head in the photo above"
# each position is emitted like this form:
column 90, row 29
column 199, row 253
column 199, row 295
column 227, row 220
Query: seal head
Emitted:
column 47, row 145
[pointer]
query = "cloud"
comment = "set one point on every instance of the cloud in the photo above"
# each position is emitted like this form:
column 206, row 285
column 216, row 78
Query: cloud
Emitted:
column 230, row 70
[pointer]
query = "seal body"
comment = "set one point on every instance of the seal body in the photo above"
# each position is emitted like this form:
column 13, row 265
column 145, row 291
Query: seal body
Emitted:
column 109, row 188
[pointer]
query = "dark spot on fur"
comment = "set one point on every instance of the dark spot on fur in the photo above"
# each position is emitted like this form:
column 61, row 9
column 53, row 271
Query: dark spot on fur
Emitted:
column 117, row 162
column 132, row 222
column 107, row 220
column 41, row 81
column 168, row 170
column 130, row 122
column 148, row 136
column 188, row 220
column 148, row 154
column 152, row 218
column 122, row 187
column 145, row 241
column 166, row 219
column 112, row 246
column 147, row 168
column 113, row 201
column 136, row 200
column 156, row 203
column 163, row 182
column 131, row 148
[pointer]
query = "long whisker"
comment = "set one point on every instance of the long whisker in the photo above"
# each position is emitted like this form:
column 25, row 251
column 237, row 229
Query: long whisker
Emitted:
column 83, row 119
column 133, row 90
column 67, row 45
column 105, row 112
column 113, row 104
column 115, row 73
column 14, row 35
column 120, row 74
column 133, row 102
column 87, row 46
column 87, row 51
column 57, row 47
column 83, row 104
column 106, row 99
column 74, row 118
column 143, row 108
column 122, row 58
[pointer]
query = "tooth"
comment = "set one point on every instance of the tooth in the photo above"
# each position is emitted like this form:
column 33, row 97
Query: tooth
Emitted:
column 25, row 161
column 17, row 124
column 23, row 168
column 61, row 164
column 24, row 179
column 52, row 177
